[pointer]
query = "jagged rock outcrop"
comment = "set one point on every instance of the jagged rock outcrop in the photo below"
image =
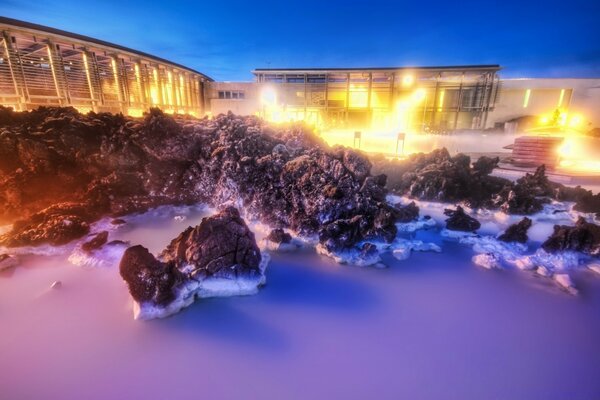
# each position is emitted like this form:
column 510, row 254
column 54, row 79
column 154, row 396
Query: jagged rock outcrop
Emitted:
column 222, row 245
column 437, row 176
column 459, row 221
column 96, row 242
column 217, row 257
column 148, row 279
column 279, row 235
column 407, row 213
column 56, row 225
column 517, row 232
column 7, row 261
column 583, row 237
column 114, row 165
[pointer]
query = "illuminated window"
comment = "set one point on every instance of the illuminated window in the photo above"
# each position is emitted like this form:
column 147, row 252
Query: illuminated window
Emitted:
column 526, row 99
column 231, row 94
column 561, row 98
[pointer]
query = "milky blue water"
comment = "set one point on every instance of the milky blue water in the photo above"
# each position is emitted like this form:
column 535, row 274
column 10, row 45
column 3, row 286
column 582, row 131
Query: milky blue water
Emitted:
column 430, row 327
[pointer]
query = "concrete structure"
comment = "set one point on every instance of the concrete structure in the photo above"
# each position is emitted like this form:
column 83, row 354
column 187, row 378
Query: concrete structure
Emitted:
column 424, row 98
column 45, row 66
column 577, row 102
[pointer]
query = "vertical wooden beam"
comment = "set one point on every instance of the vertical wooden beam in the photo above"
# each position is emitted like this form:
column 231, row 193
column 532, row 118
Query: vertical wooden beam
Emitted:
column 435, row 100
column 460, row 89
column 392, row 92
column 347, row 97
column 489, row 76
column 11, row 67
column 88, row 76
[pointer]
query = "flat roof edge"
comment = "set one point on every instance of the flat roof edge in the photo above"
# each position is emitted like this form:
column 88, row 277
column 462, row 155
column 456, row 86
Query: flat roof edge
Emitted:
column 442, row 67
column 76, row 36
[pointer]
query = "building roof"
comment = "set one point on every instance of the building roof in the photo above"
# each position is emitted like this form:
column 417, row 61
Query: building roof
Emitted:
column 87, row 39
column 483, row 67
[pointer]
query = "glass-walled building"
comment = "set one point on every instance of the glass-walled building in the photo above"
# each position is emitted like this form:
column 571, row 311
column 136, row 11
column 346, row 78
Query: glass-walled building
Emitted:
column 418, row 99
column 42, row 66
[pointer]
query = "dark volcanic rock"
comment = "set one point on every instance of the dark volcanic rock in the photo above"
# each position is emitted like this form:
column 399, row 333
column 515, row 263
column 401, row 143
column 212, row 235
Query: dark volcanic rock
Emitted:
column 221, row 245
column 113, row 165
column 147, row 278
column 368, row 250
column 439, row 177
column 585, row 200
column 517, row 232
column 407, row 213
column 459, row 221
column 7, row 261
column 55, row 225
column 278, row 235
column 528, row 195
column 96, row 242
column 584, row 237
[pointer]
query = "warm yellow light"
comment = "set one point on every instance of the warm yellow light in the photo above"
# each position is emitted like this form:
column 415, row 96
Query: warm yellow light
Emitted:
column 575, row 120
column 562, row 118
column 526, row 99
column 135, row 112
column 268, row 96
column 419, row 95
column 561, row 98
column 408, row 80
column 441, row 101
column 544, row 119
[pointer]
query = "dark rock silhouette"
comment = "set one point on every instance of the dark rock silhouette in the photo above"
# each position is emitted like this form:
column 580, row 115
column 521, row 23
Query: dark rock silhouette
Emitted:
column 221, row 246
column 460, row 221
column 113, row 165
column 517, row 232
column 96, row 242
column 278, row 235
column 407, row 213
column 583, row 237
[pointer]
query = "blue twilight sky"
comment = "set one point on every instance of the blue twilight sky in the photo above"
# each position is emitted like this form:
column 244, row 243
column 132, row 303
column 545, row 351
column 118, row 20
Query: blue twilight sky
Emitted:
column 227, row 39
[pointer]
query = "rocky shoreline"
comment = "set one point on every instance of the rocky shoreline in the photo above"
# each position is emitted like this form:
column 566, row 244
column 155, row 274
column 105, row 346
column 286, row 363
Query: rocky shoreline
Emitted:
column 62, row 171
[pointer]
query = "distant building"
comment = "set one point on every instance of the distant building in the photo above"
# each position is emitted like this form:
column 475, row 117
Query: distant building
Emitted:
column 45, row 66
column 530, row 102
column 42, row 66
column 436, row 98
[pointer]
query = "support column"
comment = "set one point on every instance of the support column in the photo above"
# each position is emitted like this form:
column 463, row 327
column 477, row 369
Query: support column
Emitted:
column 460, row 89
column 88, row 76
column 392, row 92
column 140, row 83
column 347, row 97
column 50, row 52
column 13, row 73
column 435, row 101
column 115, row 68
column 489, row 98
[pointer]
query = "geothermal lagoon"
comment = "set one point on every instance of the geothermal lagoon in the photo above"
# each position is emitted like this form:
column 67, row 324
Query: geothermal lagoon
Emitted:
column 434, row 317
column 232, row 258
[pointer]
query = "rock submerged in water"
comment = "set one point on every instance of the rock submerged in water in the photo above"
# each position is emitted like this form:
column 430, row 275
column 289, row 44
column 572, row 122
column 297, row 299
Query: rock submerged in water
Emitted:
column 583, row 237
column 407, row 213
column 278, row 236
column 437, row 176
column 7, row 261
column 517, row 232
column 219, row 257
column 96, row 242
column 55, row 225
column 459, row 221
